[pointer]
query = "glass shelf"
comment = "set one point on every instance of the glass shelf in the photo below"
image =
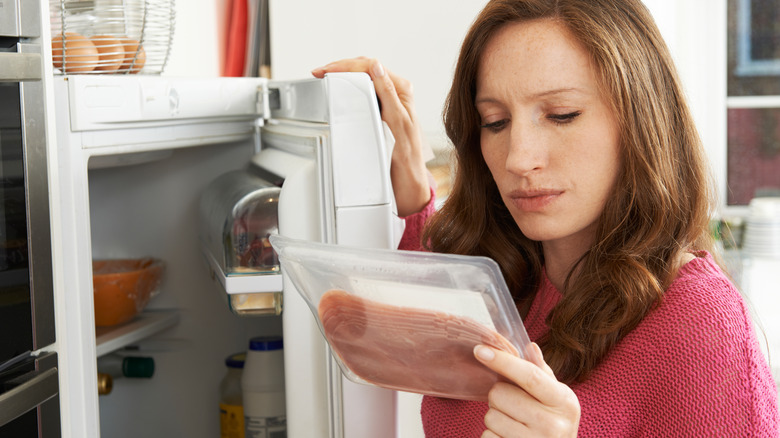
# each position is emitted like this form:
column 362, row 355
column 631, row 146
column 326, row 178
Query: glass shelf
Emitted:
column 146, row 324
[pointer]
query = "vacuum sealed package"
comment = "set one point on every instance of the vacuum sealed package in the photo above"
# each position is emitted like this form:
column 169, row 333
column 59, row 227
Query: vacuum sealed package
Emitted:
column 406, row 320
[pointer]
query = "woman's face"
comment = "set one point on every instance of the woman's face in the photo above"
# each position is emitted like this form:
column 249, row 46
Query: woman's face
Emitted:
column 548, row 135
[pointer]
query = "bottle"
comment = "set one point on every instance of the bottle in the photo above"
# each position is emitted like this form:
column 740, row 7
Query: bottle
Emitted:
column 231, row 404
column 114, row 366
column 105, row 383
column 262, row 385
column 126, row 366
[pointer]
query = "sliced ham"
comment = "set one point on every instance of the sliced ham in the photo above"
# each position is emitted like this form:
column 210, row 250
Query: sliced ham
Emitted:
column 409, row 349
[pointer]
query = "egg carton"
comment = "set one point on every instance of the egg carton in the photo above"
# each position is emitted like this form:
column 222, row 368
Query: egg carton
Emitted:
column 111, row 36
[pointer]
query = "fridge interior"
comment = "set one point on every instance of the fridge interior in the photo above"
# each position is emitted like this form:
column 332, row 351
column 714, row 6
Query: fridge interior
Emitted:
column 132, row 193
column 151, row 209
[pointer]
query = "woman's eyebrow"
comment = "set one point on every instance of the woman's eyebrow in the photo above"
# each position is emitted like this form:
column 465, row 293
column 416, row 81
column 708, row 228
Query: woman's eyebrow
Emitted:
column 538, row 95
column 556, row 91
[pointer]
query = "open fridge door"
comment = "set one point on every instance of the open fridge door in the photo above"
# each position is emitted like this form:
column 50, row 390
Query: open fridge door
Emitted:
column 322, row 144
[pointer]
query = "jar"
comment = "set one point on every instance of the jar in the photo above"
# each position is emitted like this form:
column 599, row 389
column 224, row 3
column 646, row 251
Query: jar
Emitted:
column 231, row 404
column 262, row 384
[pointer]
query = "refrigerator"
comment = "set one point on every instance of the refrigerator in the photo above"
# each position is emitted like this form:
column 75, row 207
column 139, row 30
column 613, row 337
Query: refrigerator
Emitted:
column 133, row 158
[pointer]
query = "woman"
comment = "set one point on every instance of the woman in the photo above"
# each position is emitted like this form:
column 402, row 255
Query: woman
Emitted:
column 581, row 173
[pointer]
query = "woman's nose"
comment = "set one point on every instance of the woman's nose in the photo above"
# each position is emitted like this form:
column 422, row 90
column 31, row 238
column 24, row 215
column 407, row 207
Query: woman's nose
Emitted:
column 527, row 149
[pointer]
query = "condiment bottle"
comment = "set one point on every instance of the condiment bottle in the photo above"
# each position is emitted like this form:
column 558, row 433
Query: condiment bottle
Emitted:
column 231, row 405
column 126, row 366
column 262, row 384
column 114, row 366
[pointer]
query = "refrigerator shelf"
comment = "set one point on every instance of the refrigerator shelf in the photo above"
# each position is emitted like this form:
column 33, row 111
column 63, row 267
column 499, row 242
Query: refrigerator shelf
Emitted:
column 250, row 283
column 148, row 323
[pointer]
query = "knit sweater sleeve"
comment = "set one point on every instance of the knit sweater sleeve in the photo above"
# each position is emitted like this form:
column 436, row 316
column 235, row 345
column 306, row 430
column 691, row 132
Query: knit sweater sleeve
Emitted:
column 414, row 224
column 715, row 371
column 693, row 366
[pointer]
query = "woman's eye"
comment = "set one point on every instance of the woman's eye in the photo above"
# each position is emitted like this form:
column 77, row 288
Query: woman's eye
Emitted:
column 562, row 119
column 495, row 126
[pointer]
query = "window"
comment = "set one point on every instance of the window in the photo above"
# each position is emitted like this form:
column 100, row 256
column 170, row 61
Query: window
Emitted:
column 753, row 103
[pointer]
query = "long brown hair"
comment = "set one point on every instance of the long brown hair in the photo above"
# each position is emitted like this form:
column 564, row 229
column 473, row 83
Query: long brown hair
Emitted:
column 659, row 207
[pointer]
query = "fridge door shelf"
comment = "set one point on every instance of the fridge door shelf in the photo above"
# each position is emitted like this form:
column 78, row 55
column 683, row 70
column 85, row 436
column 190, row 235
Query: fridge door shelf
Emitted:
column 146, row 324
column 251, row 294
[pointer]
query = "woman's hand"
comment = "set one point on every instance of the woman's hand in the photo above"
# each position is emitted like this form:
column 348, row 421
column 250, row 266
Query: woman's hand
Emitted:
column 408, row 173
column 533, row 403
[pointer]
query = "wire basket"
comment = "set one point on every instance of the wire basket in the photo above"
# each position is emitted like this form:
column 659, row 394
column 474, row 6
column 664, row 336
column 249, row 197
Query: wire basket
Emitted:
column 111, row 36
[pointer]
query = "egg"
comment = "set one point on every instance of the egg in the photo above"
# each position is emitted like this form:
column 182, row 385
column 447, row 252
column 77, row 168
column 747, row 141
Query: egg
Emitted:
column 135, row 56
column 111, row 52
column 78, row 55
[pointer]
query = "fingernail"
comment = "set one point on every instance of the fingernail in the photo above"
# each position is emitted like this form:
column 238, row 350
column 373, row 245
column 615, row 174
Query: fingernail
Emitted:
column 377, row 70
column 484, row 353
column 323, row 68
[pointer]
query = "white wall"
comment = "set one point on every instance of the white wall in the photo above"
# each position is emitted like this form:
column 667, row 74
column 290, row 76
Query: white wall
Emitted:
column 419, row 40
column 695, row 31
column 195, row 48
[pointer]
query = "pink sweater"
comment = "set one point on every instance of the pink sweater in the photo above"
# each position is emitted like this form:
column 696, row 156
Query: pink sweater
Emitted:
column 691, row 368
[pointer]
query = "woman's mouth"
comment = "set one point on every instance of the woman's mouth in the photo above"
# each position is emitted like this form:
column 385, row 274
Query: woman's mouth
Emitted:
column 534, row 200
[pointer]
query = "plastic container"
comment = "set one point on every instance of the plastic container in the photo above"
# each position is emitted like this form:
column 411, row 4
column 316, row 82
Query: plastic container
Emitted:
column 262, row 385
column 406, row 320
column 123, row 287
column 231, row 404
column 238, row 211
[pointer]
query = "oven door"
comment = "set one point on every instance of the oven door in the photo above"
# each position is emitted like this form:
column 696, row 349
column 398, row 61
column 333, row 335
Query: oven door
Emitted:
column 29, row 406
column 26, row 287
column 29, row 403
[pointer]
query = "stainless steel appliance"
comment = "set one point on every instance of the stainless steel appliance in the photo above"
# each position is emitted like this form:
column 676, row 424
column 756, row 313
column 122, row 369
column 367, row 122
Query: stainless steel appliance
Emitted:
column 29, row 405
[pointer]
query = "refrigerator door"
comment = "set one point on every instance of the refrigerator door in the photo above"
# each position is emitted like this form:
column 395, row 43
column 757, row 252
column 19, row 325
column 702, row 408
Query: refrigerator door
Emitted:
column 325, row 141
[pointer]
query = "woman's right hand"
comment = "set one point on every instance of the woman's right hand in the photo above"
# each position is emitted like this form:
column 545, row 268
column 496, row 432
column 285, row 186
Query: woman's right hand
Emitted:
column 408, row 173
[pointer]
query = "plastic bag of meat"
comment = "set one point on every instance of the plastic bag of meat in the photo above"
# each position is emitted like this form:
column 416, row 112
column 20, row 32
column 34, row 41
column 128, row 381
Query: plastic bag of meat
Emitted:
column 406, row 320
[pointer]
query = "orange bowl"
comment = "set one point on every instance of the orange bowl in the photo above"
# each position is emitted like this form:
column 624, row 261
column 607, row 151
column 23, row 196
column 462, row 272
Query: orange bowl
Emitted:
column 123, row 287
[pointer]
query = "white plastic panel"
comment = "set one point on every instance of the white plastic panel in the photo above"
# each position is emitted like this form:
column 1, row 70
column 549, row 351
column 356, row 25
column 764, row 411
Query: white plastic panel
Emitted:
column 369, row 226
column 357, row 142
column 166, row 136
column 304, row 100
column 116, row 102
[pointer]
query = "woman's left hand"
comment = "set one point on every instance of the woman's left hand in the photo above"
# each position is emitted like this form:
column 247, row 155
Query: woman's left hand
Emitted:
column 408, row 173
column 533, row 403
